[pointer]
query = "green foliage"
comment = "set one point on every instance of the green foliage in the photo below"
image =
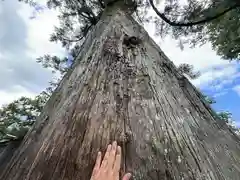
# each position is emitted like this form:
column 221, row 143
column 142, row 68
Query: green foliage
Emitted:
column 197, row 22
column 224, row 34
column 30, row 2
column 53, row 62
column 188, row 70
column 227, row 118
column 209, row 100
column 17, row 117
column 194, row 22
column 76, row 19
column 59, row 64
column 224, row 116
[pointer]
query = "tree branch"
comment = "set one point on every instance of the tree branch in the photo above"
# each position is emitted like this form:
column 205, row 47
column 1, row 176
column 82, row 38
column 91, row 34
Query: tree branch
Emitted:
column 72, row 40
column 80, row 38
column 174, row 23
column 101, row 3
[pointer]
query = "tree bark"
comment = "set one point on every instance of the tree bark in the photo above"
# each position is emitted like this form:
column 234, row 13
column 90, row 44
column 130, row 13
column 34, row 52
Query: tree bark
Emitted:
column 132, row 93
column 6, row 152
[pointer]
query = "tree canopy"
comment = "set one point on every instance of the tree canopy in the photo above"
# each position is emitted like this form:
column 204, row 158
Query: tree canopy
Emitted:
column 198, row 22
column 192, row 21
column 17, row 117
column 224, row 116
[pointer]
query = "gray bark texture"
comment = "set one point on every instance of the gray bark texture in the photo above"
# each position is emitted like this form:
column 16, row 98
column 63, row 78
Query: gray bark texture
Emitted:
column 122, row 87
column 7, row 151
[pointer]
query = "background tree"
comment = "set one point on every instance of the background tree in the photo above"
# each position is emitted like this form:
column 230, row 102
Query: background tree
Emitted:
column 224, row 116
column 198, row 22
column 17, row 117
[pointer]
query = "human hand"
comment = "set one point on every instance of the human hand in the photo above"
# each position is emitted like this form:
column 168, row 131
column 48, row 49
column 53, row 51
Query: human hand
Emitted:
column 110, row 166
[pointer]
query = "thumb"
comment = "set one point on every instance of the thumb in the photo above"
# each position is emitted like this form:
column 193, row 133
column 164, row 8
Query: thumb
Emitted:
column 126, row 176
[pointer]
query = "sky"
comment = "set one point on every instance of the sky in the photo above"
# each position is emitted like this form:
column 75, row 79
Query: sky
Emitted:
column 24, row 36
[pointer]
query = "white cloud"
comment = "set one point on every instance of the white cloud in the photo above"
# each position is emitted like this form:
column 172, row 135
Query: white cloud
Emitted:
column 17, row 92
column 217, row 78
column 20, row 47
column 237, row 89
column 201, row 58
column 215, row 72
column 237, row 124
column 220, row 93
column 39, row 30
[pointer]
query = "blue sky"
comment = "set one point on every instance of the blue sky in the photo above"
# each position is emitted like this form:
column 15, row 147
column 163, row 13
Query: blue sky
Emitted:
column 224, row 88
column 227, row 96
column 230, row 102
column 24, row 77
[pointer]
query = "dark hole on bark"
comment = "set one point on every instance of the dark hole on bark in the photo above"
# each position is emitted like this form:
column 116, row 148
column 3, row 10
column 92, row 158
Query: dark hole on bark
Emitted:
column 131, row 41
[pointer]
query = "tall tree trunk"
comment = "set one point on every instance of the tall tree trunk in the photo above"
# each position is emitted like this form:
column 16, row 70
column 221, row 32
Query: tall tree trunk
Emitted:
column 128, row 91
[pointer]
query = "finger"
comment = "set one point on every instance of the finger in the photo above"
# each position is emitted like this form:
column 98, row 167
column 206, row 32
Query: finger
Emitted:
column 117, row 164
column 105, row 159
column 126, row 176
column 112, row 155
column 97, row 163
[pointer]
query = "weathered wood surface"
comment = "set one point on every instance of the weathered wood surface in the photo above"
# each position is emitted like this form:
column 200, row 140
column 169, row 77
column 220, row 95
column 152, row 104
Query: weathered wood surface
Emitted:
column 133, row 95
column 7, row 151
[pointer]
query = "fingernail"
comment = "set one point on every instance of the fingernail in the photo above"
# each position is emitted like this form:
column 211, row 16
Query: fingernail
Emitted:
column 128, row 176
column 115, row 144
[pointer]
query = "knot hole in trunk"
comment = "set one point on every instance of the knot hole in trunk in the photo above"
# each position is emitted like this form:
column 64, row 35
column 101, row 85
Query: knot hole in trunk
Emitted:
column 131, row 41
